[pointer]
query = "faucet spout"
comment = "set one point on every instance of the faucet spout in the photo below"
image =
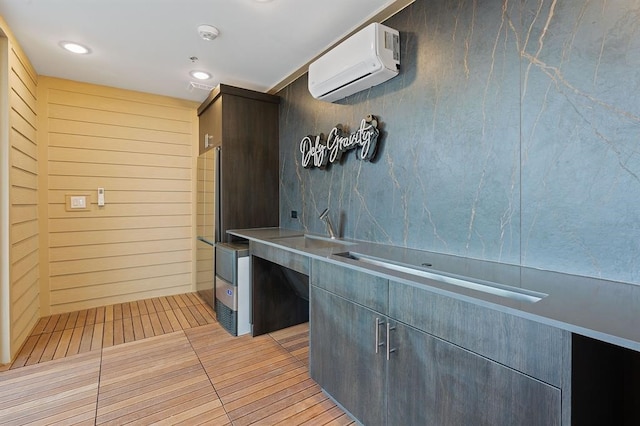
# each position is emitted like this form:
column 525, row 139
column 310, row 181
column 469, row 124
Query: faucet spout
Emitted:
column 325, row 216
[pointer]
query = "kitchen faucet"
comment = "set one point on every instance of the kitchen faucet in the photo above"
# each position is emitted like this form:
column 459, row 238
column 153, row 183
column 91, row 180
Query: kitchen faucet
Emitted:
column 325, row 216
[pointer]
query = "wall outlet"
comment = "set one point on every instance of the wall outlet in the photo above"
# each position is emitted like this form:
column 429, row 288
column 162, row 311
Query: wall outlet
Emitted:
column 294, row 214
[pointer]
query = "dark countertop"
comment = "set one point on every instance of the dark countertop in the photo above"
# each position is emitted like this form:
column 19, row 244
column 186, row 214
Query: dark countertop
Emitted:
column 604, row 310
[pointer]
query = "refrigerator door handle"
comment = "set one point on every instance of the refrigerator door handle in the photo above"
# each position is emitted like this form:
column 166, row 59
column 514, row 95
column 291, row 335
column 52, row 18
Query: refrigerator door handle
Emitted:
column 218, row 199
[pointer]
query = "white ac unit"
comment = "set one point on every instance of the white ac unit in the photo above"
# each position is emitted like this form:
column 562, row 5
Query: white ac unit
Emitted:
column 367, row 58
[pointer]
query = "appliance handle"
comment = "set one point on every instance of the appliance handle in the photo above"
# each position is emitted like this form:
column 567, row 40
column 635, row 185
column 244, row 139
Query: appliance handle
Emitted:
column 217, row 196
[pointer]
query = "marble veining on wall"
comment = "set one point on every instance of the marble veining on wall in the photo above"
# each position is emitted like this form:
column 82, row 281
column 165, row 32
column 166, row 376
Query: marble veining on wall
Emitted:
column 509, row 135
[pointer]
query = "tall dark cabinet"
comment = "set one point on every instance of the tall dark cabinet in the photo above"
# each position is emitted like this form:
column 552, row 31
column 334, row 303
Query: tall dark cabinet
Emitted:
column 237, row 178
column 244, row 124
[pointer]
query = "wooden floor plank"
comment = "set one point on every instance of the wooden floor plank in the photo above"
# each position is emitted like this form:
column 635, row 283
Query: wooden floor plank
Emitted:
column 278, row 406
column 173, row 303
column 86, row 339
column 126, row 310
column 82, row 318
column 173, row 320
column 108, row 313
column 166, row 306
column 63, row 344
column 40, row 325
column 100, row 312
column 62, row 322
column 142, row 307
column 155, row 323
column 96, row 341
column 107, row 336
column 179, row 300
column 165, row 323
column 150, row 307
column 74, row 344
column 71, row 320
column 189, row 316
column 310, row 413
column 118, row 330
column 325, row 417
column 197, row 315
column 263, row 403
column 133, row 308
column 91, row 316
column 186, row 300
column 127, row 328
column 39, row 348
column 296, row 406
column 138, row 329
column 146, row 325
column 51, row 324
column 175, row 365
column 157, row 304
column 117, row 311
column 193, row 297
column 52, row 344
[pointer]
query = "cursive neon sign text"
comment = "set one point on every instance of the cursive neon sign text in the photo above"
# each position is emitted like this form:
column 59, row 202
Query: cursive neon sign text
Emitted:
column 318, row 153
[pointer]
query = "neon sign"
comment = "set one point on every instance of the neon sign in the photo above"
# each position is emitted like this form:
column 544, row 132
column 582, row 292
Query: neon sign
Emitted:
column 318, row 153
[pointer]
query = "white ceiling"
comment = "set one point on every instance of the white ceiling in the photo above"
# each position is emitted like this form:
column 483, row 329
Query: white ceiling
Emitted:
column 145, row 45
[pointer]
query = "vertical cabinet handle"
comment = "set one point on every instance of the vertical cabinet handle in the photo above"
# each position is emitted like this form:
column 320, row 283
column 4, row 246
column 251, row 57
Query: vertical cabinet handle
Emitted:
column 378, row 342
column 389, row 350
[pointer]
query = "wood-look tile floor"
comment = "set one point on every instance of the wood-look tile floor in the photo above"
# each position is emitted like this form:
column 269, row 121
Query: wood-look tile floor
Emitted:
column 197, row 374
column 62, row 335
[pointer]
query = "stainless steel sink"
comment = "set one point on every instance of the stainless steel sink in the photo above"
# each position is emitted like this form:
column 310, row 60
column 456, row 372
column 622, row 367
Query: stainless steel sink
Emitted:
column 502, row 290
column 308, row 241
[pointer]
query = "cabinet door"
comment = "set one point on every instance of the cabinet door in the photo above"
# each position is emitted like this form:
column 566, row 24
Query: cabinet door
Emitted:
column 210, row 126
column 433, row 382
column 342, row 355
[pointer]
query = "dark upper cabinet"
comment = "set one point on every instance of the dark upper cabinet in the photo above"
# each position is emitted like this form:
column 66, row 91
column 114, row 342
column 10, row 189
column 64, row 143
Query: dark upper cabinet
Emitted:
column 244, row 124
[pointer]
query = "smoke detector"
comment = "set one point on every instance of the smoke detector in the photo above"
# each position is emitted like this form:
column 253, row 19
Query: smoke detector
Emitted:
column 208, row 32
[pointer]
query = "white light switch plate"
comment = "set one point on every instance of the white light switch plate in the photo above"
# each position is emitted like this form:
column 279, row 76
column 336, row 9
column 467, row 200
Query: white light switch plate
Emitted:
column 78, row 202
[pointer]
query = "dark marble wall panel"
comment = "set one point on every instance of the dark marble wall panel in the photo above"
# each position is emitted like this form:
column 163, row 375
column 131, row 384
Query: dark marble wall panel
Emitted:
column 580, row 138
column 509, row 135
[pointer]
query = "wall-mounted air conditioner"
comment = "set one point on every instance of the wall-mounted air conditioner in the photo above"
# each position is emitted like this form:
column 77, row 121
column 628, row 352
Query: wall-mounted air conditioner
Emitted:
column 367, row 58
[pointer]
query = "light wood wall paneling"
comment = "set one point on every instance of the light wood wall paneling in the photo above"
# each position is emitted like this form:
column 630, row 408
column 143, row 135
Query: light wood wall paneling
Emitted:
column 92, row 223
column 97, row 251
column 139, row 147
column 71, row 239
column 118, row 262
column 106, row 143
column 94, row 278
column 123, row 197
column 22, row 286
column 114, row 131
column 88, row 96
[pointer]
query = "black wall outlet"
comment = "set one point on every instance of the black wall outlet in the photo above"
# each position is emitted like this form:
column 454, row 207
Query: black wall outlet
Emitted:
column 294, row 214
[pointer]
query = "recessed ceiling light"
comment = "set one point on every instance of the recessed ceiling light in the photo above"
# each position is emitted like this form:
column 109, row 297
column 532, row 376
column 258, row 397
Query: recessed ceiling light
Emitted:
column 74, row 47
column 200, row 75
